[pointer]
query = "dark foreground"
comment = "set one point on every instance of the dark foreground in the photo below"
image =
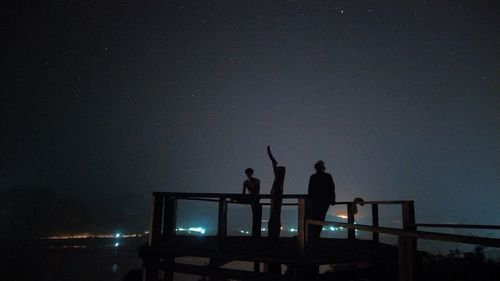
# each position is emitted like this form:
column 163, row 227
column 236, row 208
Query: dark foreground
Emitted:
column 72, row 259
column 100, row 260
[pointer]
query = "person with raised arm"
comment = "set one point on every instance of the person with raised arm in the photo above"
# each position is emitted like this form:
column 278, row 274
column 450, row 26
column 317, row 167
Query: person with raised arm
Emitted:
column 277, row 192
column 274, row 223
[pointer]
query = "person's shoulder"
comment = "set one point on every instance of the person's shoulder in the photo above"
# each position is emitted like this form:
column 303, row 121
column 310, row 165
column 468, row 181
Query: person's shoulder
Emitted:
column 252, row 180
column 324, row 175
column 317, row 176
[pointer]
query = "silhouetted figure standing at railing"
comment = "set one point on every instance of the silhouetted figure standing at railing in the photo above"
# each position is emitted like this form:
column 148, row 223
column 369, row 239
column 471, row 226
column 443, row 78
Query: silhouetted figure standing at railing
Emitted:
column 253, row 186
column 321, row 193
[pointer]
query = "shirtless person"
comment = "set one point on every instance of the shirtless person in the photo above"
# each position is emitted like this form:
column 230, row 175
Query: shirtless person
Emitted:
column 253, row 186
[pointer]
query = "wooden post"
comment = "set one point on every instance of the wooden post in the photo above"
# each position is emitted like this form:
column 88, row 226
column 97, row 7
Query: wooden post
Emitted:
column 156, row 218
column 169, row 225
column 258, row 228
column 168, row 268
column 169, row 218
column 351, row 234
column 257, row 220
column 375, row 235
column 407, row 246
column 150, row 269
column 301, row 225
column 222, row 222
column 301, row 237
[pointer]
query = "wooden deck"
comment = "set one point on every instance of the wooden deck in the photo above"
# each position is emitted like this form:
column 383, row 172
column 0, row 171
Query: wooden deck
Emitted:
column 285, row 251
column 298, row 253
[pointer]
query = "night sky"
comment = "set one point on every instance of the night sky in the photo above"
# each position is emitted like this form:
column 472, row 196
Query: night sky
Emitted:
column 400, row 99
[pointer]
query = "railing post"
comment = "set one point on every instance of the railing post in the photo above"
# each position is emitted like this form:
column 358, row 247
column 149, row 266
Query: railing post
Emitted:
column 150, row 269
column 301, row 237
column 169, row 217
column 301, row 225
column 257, row 229
column 151, row 264
column 256, row 219
column 222, row 220
column 351, row 234
column 156, row 218
column 375, row 235
column 407, row 246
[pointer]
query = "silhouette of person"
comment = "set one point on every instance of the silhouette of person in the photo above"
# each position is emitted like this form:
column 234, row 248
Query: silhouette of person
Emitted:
column 321, row 193
column 252, row 184
column 274, row 223
column 276, row 200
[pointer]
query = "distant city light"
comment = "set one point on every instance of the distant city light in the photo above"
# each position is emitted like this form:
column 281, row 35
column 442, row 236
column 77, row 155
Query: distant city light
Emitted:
column 117, row 244
column 197, row 229
column 200, row 230
column 91, row 236
column 342, row 216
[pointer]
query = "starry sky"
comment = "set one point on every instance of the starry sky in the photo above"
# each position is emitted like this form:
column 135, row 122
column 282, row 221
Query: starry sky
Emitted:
column 401, row 99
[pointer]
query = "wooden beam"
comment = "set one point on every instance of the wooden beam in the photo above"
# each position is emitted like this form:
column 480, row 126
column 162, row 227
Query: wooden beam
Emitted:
column 150, row 269
column 375, row 235
column 225, row 273
column 156, row 218
column 301, row 226
column 188, row 195
column 169, row 218
column 475, row 240
column 407, row 246
column 258, row 229
column 351, row 234
column 222, row 220
column 452, row 225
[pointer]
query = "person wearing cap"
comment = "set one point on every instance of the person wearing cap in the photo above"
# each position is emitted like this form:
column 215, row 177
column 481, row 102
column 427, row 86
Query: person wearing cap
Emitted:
column 321, row 194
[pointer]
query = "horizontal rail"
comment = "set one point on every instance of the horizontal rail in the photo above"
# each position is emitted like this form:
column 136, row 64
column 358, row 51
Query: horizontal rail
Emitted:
column 225, row 273
column 452, row 225
column 484, row 241
column 194, row 196
column 207, row 200
column 382, row 202
column 184, row 195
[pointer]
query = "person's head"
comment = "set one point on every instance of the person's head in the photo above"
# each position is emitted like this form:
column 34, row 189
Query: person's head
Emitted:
column 320, row 166
column 249, row 172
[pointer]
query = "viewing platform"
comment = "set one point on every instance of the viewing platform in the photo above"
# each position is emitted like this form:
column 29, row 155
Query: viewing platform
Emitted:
column 296, row 254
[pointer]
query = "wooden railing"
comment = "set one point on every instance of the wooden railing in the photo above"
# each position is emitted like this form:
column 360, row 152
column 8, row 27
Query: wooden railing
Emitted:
column 407, row 237
column 164, row 215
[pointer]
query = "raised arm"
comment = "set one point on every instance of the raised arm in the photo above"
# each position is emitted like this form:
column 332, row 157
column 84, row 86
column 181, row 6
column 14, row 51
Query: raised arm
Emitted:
column 275, row 163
